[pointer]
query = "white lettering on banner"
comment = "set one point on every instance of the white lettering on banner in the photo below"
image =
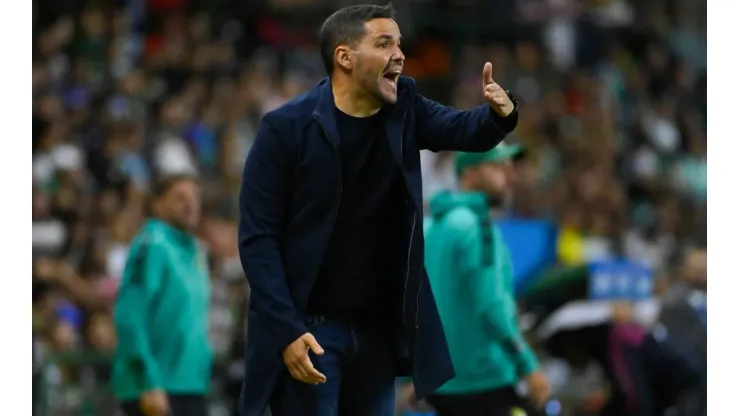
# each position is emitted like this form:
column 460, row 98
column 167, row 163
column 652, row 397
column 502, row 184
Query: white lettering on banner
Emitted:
column 619, row 280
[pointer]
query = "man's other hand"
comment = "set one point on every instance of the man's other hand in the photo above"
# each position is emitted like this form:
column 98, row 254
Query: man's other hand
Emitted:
column 295, row 357
column 154, row 403
column 406, row 400
column 538, row 388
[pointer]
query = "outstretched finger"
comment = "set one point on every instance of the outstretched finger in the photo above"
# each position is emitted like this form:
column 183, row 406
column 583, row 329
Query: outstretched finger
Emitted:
column 487, row 74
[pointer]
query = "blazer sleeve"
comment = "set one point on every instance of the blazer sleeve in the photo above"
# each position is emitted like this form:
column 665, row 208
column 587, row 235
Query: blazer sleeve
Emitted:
column 479, row 129
column 261, row 204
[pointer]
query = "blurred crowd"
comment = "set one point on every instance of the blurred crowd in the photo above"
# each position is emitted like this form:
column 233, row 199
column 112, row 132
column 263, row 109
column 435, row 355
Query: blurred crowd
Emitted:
column 613, row 116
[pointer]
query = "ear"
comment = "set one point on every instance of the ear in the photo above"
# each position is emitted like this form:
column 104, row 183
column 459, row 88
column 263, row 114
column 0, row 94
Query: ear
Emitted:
column 343, row 57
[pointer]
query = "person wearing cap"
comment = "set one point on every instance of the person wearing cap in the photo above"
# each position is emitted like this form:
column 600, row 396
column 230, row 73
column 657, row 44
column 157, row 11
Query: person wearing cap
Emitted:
column 471, row 275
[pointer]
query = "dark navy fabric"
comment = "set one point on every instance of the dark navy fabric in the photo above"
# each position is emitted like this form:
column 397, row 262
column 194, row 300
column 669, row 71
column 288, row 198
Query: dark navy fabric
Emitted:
column 291, row 188
column 360, row 378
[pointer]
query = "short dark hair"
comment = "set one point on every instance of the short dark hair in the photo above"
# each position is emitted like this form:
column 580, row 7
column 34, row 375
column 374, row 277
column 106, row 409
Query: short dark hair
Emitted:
column 347, row 26
column 163, row 185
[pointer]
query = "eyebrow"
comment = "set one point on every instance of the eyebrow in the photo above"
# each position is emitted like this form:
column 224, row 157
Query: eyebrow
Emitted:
column 384, row 36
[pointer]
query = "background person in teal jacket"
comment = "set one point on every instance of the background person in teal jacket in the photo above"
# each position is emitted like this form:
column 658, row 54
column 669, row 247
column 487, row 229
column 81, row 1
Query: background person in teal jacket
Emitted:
column 471, row 273
column 163, row 361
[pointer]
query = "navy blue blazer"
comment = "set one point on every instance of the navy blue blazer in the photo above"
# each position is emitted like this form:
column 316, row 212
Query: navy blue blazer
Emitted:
column 288, row 203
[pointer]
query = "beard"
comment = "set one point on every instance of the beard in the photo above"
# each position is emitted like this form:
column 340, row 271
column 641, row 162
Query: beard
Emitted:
column 388, row 93
column 499, row 200
column 376, row 85
column 379, row 90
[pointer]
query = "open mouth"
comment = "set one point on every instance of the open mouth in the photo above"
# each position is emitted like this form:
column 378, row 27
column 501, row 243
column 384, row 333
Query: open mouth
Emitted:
column 392, row 77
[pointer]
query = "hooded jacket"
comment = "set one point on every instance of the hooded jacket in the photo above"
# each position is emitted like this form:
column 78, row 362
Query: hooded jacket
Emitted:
column 161, row 316
column 472, row 280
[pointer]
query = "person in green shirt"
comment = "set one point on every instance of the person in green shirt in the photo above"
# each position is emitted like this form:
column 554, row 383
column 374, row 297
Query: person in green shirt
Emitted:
column 162, row 364
column 472, row 279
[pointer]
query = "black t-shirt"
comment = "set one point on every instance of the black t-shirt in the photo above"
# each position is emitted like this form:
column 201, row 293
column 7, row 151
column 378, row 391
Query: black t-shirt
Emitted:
column 358, row 275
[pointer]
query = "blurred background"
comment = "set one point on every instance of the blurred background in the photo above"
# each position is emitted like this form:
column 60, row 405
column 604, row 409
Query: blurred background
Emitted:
column 610, row 203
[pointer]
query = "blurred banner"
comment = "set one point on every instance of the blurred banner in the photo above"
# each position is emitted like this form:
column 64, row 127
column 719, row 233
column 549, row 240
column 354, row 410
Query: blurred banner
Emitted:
column 619, row 280
column 532, row 247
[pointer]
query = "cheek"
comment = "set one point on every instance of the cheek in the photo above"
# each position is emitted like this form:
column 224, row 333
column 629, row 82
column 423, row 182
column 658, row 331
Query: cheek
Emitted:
column 492, row 178
column 186, row 207
column 196, row 210
column 367, row 72
column 500, row 181
column 371, row 65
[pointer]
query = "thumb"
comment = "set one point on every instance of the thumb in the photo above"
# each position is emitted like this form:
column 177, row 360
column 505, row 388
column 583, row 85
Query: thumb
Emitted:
column 311, row 342
column 487, row 74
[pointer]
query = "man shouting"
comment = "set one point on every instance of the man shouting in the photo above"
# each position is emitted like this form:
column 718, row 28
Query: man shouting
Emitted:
column 331, row 232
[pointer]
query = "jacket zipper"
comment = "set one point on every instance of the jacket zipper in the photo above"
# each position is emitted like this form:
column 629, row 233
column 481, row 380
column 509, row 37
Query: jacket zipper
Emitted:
column 408, row 269
column 408, row 263
column 411, row 242
column 418, row 294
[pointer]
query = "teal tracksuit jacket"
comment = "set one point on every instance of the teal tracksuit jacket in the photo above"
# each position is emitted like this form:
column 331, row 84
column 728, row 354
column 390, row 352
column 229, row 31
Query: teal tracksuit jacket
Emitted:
column 162, row 316
column 472, row 279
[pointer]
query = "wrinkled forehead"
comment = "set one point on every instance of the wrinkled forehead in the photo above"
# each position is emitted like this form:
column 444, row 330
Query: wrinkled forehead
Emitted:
column 382, row 28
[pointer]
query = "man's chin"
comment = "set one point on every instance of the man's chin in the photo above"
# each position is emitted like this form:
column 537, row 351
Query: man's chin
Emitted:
column 389, row 97
column 186, row 224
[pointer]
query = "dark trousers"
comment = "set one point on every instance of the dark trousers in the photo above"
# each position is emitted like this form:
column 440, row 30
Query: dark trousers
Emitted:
column 180, row 405
column 497, row 402
column 358, row 366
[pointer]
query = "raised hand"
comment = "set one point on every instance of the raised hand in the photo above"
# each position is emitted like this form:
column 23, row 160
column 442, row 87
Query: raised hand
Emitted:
column 496, row 97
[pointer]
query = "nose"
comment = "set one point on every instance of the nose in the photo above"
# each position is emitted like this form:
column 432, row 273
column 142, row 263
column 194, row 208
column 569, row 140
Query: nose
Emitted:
column 398, row 56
